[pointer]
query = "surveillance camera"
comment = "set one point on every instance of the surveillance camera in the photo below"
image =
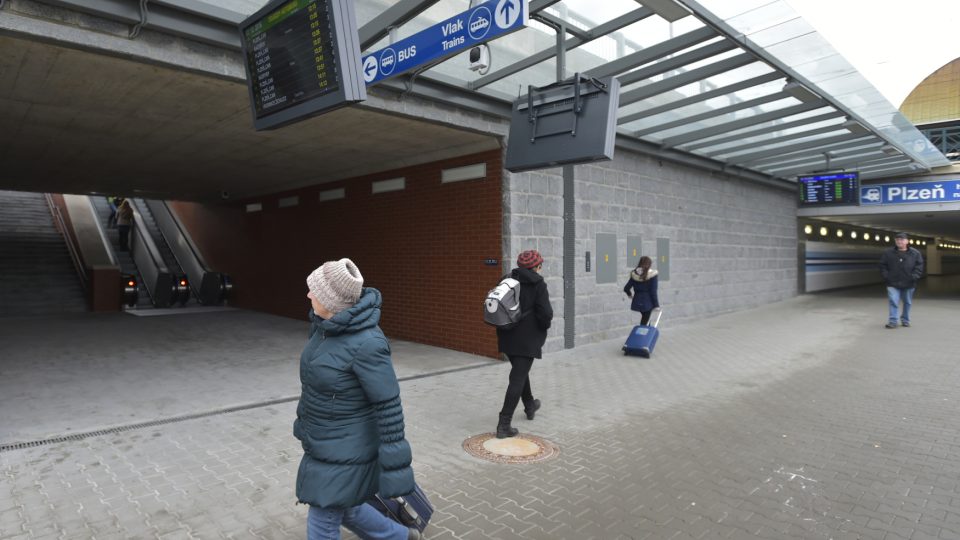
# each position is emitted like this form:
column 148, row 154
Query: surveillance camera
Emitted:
column 224, row 194
column 479, row 58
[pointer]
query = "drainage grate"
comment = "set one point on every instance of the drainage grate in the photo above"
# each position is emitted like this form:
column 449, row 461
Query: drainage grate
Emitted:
column 141, row 425
column 6, row 447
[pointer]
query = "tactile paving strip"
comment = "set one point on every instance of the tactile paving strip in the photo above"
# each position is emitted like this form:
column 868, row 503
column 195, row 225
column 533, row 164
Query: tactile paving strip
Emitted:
column 523, row 448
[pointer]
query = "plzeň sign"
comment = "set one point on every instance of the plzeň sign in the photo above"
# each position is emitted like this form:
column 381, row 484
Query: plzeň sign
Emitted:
column 911, row 192
column 829, row 189
column 302, row 59
column 478, row 25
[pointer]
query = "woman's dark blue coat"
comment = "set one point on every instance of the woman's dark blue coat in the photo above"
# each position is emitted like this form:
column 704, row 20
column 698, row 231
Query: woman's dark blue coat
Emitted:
column 644, row 291
column 349, row 419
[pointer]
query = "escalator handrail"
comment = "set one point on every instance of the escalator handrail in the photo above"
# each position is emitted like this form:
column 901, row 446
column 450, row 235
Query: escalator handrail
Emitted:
column 162, row 207
column 107, row 247
column 149, row 245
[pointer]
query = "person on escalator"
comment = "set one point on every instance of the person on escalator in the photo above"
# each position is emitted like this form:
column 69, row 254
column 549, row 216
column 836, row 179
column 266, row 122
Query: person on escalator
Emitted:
column 112, row 220
column 124, row 221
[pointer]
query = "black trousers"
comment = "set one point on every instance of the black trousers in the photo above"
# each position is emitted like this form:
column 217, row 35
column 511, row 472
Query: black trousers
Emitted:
column 519, row 387
column 645, row 316
column 124, row 231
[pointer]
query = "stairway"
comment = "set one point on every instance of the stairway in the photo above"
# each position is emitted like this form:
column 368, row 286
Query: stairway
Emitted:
column 37, row 276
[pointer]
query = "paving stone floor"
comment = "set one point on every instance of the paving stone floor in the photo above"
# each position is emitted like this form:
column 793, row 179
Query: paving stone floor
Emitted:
column 805, row 419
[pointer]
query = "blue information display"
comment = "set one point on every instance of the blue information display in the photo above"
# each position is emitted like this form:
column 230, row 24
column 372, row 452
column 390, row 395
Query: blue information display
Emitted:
column 478, row 25
column 911, row 192
column 829, row 189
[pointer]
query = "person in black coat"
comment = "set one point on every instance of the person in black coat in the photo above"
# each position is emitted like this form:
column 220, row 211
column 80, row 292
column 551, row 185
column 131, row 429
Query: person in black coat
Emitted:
column 524, row 342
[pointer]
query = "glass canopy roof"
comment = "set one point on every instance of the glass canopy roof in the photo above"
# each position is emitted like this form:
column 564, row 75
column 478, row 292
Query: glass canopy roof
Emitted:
column 746, row 83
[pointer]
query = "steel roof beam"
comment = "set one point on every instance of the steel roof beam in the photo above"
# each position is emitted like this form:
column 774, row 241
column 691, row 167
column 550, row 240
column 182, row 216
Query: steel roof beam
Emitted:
column 863, row 152
column 734, row 150
column 697, row 98
column 791, row 149
column 558, row 22
column 743, row 122
column 572, row 43
column 895, row 163
column 539, row 5
column 799, row 154
column 677, row 62
column 834, row 164
column 768, row 129
column 394, row 16
column 652, row 53
column 776, row 96
column 683, row 79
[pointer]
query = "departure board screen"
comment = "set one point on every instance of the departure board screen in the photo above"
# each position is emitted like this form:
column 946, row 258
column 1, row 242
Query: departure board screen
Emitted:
column 829, row 189
column 301, row 52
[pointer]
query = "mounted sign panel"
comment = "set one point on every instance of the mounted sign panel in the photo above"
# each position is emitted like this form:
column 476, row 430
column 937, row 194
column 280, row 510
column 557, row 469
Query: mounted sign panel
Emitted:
column 829, row 189
column 911, row 192
column 480, row 24
column 302, row 59
column 565, row 123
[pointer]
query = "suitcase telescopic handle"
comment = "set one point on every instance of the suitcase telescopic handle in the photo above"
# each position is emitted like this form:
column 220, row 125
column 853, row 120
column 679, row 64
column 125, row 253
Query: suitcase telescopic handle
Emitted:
column 655, row 318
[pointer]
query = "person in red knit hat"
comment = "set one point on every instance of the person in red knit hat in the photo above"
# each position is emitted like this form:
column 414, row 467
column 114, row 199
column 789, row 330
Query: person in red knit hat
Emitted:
column 524, row 342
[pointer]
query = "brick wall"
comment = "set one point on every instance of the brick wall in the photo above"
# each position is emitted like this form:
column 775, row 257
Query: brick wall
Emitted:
column 423, row 247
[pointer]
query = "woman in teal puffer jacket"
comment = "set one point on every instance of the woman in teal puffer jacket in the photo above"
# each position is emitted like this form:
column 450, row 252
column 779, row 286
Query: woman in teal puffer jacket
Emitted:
column 349, row 418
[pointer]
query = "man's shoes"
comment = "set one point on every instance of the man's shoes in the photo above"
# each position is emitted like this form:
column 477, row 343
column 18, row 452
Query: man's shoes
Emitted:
column 891, row 325
column 905, row 323
column 532, row 410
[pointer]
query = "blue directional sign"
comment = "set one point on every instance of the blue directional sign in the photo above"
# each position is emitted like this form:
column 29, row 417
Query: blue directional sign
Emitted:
column 911, row 192
column 478, row 25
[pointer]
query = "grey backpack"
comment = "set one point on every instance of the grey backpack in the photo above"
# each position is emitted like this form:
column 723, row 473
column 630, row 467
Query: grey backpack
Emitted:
column 502, row 306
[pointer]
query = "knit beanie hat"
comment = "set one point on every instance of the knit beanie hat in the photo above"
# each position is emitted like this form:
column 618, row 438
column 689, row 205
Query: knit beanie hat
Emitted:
column 529, row 259
column 336, row 284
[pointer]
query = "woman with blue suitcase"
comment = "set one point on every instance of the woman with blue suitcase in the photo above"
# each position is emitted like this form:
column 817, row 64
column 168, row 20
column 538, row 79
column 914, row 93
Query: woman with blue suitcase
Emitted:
column 642, row 288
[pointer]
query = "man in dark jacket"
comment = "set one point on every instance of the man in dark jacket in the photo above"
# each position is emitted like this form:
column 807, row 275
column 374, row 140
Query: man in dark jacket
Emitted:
column 524, row 342
column 901, row 266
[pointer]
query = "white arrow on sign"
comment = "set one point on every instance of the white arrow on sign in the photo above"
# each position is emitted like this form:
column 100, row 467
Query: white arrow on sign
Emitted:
column 507, row 13
column 369, row 68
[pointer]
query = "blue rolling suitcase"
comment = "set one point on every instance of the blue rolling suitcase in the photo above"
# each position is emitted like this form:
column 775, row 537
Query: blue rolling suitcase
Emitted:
column 414, row 510
column 643, row 337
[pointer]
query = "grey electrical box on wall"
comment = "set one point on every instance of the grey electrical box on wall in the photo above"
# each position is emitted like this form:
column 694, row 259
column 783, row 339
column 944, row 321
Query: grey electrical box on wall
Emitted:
column 606, row 258
column 634, row 251
column 663, row 259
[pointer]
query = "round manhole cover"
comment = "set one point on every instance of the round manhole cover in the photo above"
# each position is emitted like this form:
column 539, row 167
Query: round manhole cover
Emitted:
column 520, row 449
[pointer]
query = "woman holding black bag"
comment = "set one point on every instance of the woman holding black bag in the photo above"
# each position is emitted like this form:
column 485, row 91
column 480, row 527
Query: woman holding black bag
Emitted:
column 349, row 418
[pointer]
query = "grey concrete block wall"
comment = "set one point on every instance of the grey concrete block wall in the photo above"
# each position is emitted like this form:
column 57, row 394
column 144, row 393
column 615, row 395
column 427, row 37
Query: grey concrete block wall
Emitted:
column 732, row 242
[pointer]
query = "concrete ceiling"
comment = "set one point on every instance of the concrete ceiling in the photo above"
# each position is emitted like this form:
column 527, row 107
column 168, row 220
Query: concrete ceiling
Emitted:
column 78, row 122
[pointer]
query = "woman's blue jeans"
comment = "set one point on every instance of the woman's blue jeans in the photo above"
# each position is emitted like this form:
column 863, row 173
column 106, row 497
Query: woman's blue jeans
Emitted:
column 363, row 521
column 895, row 295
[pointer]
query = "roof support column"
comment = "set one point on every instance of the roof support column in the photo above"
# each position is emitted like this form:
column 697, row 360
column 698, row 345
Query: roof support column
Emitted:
column 569, row 208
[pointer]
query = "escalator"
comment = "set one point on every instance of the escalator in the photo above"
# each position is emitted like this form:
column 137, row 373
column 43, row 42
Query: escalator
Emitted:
column 160, row 252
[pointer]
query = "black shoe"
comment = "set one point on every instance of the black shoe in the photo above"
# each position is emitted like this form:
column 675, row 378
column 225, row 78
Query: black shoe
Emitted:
column 905, row 323
column 504, row 430
column 891, row 325
column 532, row 410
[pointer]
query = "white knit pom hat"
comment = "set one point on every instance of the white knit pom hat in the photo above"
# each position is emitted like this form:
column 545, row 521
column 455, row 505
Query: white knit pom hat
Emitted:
column 336, row 284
